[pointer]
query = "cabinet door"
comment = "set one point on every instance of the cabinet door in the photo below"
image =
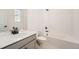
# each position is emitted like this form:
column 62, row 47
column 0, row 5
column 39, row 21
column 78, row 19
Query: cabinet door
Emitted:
column 31, row 45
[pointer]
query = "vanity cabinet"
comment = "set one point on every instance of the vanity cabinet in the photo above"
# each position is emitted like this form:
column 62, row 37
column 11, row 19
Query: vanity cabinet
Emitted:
column 31, row 45
column 25, row 43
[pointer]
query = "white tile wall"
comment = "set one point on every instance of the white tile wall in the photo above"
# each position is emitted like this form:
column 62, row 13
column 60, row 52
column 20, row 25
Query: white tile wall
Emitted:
column 56, row 20
column 61, row 21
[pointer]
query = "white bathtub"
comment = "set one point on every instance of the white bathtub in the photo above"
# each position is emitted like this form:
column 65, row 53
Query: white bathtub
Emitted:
column 57, row 41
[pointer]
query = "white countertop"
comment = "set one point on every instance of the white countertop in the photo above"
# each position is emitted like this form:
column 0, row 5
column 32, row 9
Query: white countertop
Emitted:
column 6, row 38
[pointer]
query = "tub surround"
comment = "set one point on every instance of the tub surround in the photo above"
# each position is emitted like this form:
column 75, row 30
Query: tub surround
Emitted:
column 6, row 38
column 64, row 37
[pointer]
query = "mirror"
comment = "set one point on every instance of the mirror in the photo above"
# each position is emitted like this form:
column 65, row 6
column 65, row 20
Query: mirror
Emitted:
column 2, row 23
column 3, row 20
column 12, row 17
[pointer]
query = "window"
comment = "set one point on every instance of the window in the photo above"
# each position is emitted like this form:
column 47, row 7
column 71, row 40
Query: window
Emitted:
column 17, row 15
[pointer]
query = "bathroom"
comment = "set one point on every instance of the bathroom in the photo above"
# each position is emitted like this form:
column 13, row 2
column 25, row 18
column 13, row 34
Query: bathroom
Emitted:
column 45, row 28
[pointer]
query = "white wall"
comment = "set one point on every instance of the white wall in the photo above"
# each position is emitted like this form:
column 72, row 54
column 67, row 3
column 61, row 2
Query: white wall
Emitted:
column 11, row 18
column 76, row 23
column 61, row 21
column 35, row 19
column 23, row 19
column 57, row 21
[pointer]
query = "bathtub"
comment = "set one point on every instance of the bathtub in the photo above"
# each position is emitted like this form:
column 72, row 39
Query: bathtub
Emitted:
column 55, row 41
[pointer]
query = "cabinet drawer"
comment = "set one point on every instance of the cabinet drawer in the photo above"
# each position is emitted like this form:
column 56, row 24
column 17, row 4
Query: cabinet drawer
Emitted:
column 21, row 43
column 31, row 45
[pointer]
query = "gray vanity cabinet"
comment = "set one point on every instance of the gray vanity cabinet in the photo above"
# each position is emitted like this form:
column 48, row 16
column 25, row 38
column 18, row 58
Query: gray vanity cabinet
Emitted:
column 26, row 43
column 31, row 45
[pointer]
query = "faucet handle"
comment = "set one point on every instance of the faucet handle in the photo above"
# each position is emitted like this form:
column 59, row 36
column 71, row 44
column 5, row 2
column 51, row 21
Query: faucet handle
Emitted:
column 46, row 27
column 5, row 26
